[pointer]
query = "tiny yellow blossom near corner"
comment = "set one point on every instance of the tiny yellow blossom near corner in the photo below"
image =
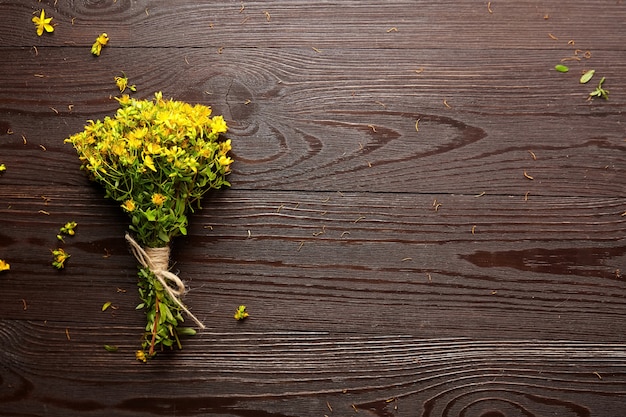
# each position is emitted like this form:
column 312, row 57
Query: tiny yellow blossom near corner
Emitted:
column 241, row 313
column 60, row 256
column 102, row 40
column 3, row 167
column 4, row 265
column 122, row 83
column 43, row 23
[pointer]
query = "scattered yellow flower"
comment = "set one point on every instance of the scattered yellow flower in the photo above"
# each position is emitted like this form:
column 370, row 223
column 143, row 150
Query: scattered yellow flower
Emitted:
column 129, row 205
column 60, row 256
column 69, row 227
column 241, row 313
column 141, row 356
column 122, row 84
column 4, row 265
column 3, row 167
column 158, row 199
column 43, row 23
column 102, row 40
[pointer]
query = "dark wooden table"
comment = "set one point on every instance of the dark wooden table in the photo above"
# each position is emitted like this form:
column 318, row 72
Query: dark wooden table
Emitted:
column 467, row 265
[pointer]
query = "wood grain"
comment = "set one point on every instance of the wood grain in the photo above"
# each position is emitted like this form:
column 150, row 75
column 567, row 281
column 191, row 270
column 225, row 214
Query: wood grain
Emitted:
column 470, row 264
column 349, row 23
column 277, row 373
column 337, row 256
column 342, row 122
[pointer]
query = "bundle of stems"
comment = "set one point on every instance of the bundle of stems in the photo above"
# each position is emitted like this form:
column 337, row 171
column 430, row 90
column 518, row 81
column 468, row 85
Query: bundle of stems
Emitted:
column 157, row 158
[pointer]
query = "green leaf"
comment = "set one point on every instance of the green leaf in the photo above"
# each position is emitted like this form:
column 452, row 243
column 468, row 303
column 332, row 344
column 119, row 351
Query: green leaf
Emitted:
column 150, row 215
column 110, row 348
column 165, row 310
column 106, row 305
column 165, row 313
column 561, row 68
column 164, row 236
column 185, row 331
column 584, row 79
column 599, row 91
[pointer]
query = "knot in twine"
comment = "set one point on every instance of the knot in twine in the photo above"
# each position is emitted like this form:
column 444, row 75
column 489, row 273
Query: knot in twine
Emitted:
column 157, row 261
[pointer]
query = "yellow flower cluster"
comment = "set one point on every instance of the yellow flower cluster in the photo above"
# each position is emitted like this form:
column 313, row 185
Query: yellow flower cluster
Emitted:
column 156, row 158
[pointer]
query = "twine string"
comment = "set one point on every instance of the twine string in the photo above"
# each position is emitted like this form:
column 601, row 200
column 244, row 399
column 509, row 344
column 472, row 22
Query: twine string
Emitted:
column 157, row 261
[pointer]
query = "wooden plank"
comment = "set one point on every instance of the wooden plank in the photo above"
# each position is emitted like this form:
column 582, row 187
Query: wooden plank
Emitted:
column 473, row 267
column 374, row 262
column 350, row 124
column 276, row 373
column 357, row 24
column 475, row 83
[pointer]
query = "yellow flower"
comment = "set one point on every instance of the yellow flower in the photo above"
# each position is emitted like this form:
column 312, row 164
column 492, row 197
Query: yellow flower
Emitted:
column 224, row 160
column 129, row 205
column 68, row 229
column 4, row 265
column 3, row 167
column 43, row 23
column 102, row 40
column 118, row 148
column 158, row 199
column 94, row 163
column 125, row 100
column 134, row 138
column 218, row 125
column 141, row 356
column 225, row 147
column 241, row 313
column 147, row 161
column 60, row 256
column 153, row 148
column 122, row 84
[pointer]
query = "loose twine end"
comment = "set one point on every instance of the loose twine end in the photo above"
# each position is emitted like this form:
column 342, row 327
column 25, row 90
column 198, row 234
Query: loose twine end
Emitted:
column 157, row 261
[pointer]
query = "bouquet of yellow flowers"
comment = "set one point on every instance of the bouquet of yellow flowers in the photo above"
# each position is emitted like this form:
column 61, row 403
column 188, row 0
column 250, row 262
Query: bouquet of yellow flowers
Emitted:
column 157, row 158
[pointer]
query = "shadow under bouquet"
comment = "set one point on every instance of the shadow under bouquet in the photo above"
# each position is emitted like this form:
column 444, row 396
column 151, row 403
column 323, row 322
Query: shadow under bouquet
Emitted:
column 157, row 158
